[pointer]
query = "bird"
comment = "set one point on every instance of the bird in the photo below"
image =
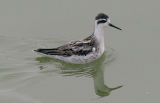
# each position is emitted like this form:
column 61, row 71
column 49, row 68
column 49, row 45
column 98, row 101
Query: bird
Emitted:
column 82, row 51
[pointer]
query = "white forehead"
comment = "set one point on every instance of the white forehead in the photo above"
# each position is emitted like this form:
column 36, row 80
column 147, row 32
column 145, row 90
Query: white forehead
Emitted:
column 101, row 19
column 109, row 21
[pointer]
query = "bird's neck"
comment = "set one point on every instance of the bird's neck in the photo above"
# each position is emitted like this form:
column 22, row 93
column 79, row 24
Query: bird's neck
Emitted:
column 99, row 35
column 99, row 32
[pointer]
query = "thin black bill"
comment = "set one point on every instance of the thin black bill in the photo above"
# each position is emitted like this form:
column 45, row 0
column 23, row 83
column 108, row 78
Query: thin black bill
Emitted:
column 114, row 26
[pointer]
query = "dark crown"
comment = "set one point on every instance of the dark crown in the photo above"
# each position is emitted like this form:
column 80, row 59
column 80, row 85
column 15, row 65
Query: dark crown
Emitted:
column 101, row 16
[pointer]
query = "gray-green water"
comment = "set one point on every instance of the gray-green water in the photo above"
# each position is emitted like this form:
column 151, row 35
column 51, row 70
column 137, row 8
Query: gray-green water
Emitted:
column 132, row 57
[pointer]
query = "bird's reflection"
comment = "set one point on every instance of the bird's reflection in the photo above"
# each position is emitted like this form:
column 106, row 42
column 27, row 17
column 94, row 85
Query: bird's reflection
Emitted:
column 94, row 70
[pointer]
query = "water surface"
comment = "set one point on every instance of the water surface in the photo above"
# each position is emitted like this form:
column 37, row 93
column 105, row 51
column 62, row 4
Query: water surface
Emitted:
column 131, row 59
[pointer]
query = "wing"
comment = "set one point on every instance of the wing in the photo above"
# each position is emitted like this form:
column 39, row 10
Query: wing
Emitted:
column 80, row 48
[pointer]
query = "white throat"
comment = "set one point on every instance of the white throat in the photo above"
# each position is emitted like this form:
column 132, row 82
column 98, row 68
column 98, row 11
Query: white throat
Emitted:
column 99, row 34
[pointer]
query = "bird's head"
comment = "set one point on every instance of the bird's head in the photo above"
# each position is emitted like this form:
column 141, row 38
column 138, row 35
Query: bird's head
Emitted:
column 102, row 20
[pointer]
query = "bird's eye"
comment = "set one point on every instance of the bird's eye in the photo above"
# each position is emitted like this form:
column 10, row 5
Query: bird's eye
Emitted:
column 101, row 21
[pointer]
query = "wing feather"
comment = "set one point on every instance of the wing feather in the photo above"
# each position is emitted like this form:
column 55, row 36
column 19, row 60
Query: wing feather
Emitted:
column 80, row 48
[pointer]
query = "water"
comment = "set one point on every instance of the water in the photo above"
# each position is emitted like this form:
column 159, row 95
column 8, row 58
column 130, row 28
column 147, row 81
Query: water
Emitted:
column 131, row 59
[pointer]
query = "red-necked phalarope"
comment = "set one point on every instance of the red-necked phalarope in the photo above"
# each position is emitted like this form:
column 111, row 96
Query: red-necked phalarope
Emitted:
column 82, row 51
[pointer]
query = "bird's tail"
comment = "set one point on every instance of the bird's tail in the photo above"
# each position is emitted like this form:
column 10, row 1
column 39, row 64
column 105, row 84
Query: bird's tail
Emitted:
column 53, row 51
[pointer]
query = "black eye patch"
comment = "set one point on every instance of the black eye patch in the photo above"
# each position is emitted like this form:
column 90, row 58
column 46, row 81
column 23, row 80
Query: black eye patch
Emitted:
column 101, row 21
